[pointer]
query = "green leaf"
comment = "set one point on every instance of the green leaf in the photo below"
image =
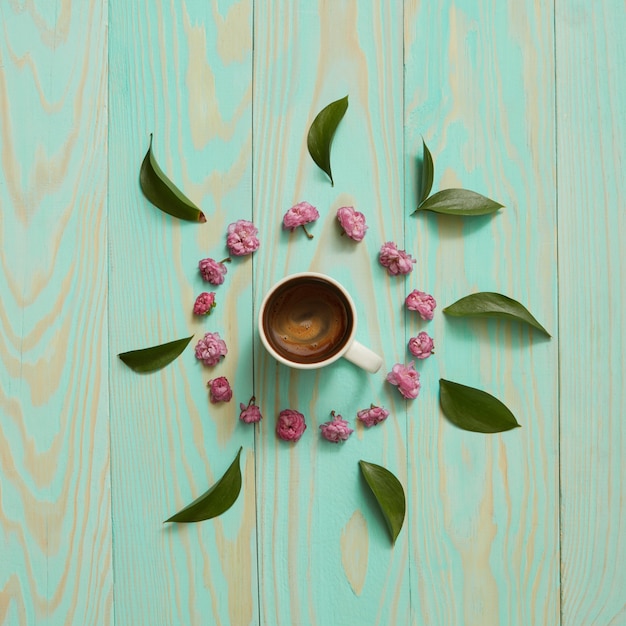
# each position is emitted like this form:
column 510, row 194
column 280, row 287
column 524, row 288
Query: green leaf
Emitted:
column 163, row 193
column 218, row 499
column 428, row 173
column 154, row 358
column 473, row 409
column 388, row 493
column 459, row 202
column 489, row 304
column 322, row 131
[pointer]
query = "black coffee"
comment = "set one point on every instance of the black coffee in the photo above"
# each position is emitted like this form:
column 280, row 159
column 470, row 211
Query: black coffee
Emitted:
column 307, row 320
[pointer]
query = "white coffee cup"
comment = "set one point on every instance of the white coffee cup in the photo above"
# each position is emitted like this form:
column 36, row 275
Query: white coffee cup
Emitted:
column 308, row 320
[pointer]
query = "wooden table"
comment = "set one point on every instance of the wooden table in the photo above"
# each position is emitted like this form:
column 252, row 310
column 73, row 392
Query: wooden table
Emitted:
column 521, row 101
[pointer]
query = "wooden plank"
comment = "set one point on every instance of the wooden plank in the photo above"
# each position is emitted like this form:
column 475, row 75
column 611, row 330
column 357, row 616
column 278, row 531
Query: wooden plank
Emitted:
column 591, row 53
column 479, row 87
column 55, row 517
column 324, row 553
column 183, row 71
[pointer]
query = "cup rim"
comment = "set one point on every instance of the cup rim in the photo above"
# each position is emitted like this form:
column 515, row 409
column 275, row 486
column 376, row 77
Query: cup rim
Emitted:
column 318, row 364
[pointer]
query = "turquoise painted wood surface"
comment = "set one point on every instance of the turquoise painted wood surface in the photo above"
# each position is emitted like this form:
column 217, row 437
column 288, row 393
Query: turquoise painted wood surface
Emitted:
column 521, row 102
column 55, row 484
column 592, row 305
column 187, row 72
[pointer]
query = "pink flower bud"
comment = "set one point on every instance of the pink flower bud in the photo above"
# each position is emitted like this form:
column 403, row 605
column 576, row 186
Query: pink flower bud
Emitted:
column 337, row 429
column 421, row 346
column 250, row 414
column 290, row 425
column 406, row 378
column 352, row 222
column 219, row 390
column 204, row 303
column 372, row 416
column 210, row 349
column 421, row 302
column 242, row 238
column 299, row 215
column 212, row 271
column 396, row 261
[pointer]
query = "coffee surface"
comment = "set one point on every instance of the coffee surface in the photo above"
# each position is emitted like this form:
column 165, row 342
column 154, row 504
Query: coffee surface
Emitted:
column 307, row 320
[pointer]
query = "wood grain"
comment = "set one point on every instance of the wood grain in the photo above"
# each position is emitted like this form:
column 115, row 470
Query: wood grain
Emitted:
column 479, row 88
column 182, row 70
column 355, row 551
column 592, row 270
column 55, row 524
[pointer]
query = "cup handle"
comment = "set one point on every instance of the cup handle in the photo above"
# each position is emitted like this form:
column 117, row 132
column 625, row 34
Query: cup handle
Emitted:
column 363, row 357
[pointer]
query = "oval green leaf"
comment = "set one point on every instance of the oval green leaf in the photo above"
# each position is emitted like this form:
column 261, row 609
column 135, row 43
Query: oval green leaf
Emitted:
column 459, row 202
column 388, row 493
column 428, row 173
column 489, row 304
column 154, row 358
column 322, row 131
column 163, row 193
column 217, row 500
column 473, row 409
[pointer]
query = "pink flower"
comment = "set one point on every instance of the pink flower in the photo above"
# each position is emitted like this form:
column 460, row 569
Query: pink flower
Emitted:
column 219, row 390
column 251, row 413
column 242, row 238
column 421, row 302
column 396, row 261
column 352, row 222
column 421, row 346
column 290, row 425
column 299, row 215
column 212, row 271
column 372, row 416
column 337, row 429
column 406, row 378
column 204, row 303
column 210, row 348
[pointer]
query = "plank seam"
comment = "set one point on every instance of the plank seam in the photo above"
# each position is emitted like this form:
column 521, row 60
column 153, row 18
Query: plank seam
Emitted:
column 107, row 11
column 254, row 313
column 405, row 321
column 558, row 312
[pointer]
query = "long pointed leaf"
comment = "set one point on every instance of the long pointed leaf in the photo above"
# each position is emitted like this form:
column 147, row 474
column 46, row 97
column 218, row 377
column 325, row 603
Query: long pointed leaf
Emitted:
column 490, row 304
column 428, row 173
column 389, row 494
column 322, row 131
column 459, row 202
column 473, row 409
column 155, row 357
column 218, row 499
column 163, row 193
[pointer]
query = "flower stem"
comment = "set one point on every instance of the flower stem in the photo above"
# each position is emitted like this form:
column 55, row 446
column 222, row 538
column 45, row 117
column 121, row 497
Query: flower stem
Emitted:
column 308, row 234
column 226, row 260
